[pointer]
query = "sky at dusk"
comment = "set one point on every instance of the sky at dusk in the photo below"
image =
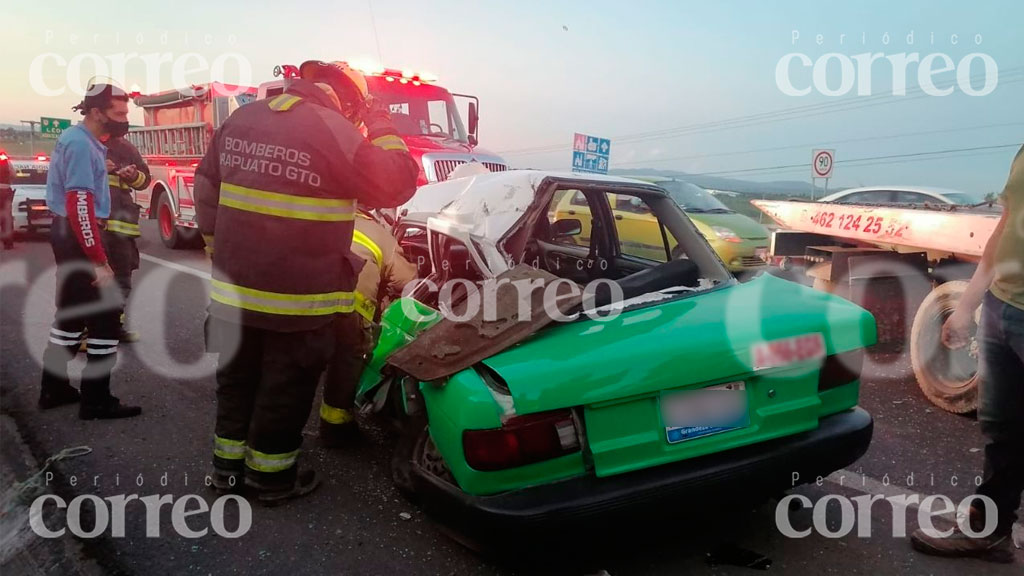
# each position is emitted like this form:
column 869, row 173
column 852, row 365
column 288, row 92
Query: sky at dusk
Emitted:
column 680, row 85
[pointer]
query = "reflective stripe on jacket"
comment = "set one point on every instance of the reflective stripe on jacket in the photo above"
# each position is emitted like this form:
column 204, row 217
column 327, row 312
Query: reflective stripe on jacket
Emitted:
column 275, row 201
column 385, row 271
column 124, row 212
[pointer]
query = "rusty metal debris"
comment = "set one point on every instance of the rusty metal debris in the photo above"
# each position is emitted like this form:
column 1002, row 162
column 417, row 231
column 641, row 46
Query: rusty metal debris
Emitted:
column 451, row 346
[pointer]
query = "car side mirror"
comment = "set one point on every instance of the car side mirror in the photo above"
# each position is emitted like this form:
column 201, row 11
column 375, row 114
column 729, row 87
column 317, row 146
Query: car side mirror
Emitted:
column 474, row 119
column 566, row 228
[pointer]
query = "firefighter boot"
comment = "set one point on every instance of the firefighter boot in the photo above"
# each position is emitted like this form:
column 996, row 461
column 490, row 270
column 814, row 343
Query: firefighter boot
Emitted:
column 305, row 482
column 338, row 427
column 55, row 389
column 109, row 408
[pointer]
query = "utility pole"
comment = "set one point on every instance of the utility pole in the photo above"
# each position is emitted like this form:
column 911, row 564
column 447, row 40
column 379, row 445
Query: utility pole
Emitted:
column 31, row 135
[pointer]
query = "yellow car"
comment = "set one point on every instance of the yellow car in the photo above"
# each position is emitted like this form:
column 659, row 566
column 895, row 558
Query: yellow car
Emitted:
column 739, row 241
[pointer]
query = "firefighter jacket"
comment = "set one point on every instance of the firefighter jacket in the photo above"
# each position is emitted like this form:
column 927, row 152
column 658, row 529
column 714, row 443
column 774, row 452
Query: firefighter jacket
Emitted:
column 276, row 197
column 386, row 271
column 124, row 212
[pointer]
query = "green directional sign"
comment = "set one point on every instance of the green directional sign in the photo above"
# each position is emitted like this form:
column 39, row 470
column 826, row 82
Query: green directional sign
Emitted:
column 52, row 127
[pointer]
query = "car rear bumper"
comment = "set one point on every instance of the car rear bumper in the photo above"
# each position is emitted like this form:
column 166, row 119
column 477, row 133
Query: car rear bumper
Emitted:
column 755, row 472
column 31, row 213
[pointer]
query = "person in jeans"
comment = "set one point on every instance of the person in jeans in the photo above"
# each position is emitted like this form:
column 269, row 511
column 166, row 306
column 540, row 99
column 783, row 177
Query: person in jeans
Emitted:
column 999, row 282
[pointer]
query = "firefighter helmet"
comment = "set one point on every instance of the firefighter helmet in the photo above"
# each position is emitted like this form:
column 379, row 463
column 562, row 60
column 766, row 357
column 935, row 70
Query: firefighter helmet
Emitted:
column 348, row 83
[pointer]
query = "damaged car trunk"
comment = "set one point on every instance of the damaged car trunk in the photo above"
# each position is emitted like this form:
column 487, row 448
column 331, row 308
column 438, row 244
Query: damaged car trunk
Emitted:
column 577, row 346
column 479, row 326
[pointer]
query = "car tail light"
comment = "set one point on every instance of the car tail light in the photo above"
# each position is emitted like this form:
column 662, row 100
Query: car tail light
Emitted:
column 521, row 440
column 3, row 156
column 840, row 369
column 41, row 158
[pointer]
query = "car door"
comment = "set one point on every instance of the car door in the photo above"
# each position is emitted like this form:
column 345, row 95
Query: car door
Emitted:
column 637, row 228
column 638, row 237
column 570, row 256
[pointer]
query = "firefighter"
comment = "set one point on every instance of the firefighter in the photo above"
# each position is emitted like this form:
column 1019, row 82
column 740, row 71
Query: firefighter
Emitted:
column 78, row 194
column 126, row 172
column 275, row 199
column 384, row 275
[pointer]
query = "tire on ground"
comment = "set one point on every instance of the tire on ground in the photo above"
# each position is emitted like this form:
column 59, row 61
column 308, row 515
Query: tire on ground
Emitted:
column 173, row 236
column 949, row 378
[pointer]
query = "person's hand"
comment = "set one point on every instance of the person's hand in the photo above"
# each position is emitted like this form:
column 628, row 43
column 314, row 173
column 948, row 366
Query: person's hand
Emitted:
column 374, row 110
column 956, row 329
column 110, row 165
column 104, row 276
column 129, row 173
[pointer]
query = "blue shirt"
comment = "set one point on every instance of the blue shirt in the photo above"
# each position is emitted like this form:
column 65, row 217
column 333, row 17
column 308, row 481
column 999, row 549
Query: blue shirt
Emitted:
column 79, row 162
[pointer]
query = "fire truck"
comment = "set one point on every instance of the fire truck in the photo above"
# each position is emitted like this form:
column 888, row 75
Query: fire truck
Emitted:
column 907, row 264
column 178, row 125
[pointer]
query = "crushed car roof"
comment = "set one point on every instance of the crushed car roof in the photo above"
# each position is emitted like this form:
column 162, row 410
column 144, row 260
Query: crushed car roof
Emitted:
column 488, row 205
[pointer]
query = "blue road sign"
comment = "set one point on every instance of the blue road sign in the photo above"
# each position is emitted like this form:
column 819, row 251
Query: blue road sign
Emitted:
column 578, row 157
column 590, row 154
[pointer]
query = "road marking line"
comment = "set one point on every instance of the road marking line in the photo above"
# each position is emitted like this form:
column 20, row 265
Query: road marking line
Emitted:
column 175, row 266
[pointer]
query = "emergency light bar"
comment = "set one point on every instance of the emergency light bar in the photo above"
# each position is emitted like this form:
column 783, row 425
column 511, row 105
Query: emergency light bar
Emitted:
column 370, row 69
column 393, row 74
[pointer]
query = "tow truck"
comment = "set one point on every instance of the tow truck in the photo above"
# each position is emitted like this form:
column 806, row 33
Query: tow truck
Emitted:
column 178, row 125
column 907, row 264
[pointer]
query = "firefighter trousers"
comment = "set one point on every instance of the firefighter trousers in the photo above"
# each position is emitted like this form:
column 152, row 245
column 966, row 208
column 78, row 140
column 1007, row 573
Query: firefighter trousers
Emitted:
column 354, row 344
column 266, row 382
column 119, row 238
column 80, row 306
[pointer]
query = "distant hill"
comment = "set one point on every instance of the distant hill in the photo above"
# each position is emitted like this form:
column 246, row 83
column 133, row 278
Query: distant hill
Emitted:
column 746, row 187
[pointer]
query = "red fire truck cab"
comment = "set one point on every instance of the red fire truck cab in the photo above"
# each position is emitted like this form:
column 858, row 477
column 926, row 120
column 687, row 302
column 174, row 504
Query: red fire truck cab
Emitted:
column 179, row 124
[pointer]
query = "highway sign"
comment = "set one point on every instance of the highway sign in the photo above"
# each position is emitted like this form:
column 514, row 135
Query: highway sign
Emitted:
column 822, row 162
column 590, row 154
column 53, row 127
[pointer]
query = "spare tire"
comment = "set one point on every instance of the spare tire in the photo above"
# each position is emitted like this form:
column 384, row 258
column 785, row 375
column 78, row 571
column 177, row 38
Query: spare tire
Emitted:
column 949, row 378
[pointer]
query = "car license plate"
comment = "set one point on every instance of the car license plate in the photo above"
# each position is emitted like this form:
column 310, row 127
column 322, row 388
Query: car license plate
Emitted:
column 691, row 414
column 761, row 253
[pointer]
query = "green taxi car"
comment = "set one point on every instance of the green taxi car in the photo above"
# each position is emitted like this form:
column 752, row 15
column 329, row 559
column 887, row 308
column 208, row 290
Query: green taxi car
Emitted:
column 685, row 386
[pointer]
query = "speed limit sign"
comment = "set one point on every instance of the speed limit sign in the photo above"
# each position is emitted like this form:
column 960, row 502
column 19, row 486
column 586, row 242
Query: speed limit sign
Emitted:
column 822, row 162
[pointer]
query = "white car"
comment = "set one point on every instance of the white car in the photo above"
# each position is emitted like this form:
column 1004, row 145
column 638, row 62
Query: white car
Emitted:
column 28, row 178
column 889, row 195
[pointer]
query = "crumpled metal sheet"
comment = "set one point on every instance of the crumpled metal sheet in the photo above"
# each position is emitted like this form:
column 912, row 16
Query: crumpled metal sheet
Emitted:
column 451, row 346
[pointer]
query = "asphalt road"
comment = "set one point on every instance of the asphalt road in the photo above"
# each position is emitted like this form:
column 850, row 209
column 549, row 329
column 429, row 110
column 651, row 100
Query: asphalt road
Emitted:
column 357, row 522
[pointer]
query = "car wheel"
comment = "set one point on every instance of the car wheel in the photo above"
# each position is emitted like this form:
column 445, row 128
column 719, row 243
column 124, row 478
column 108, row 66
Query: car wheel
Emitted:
column 949, row 378
column 170, row 235
column 416, row 449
